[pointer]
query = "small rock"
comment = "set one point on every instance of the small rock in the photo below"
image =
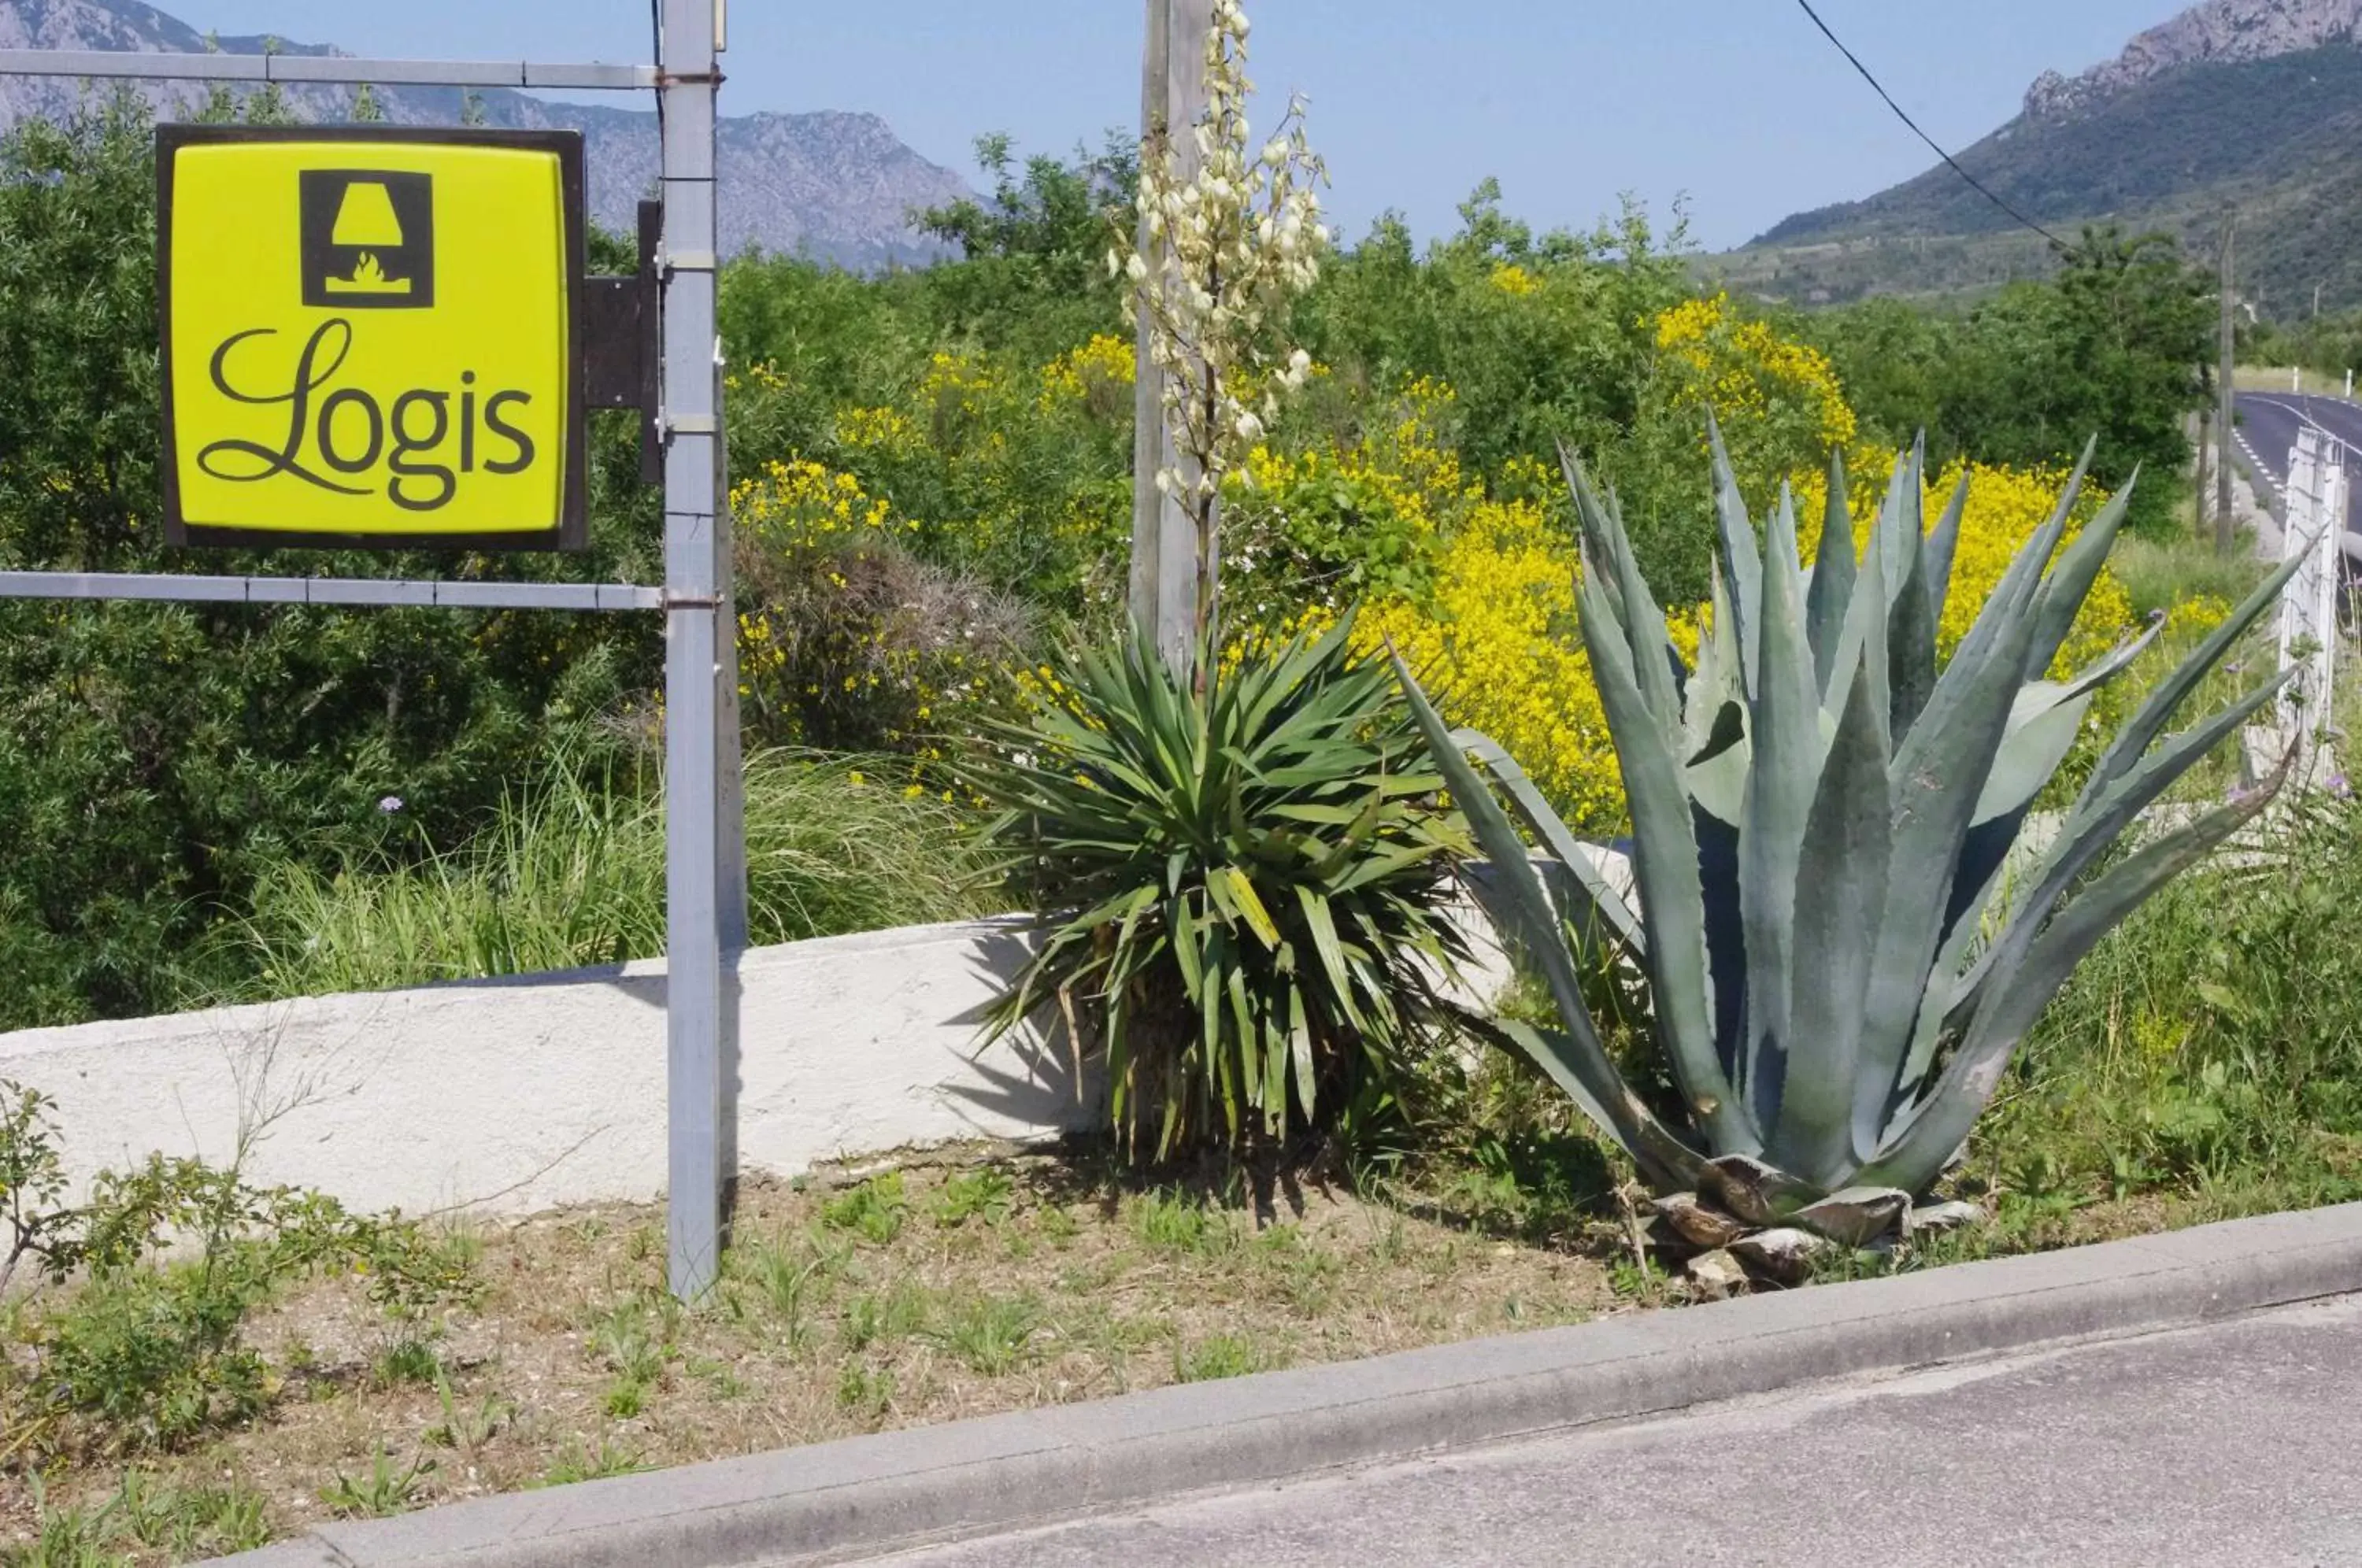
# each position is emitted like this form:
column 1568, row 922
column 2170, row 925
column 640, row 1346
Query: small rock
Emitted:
column 1938, row 1217
column 1785, row 1255
column 1717, row 1273
column 1857, row 1216
column 1698, row 1224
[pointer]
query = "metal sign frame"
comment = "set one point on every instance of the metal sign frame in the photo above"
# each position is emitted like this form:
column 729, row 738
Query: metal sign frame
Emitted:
column 573, row 529
column 705, row 879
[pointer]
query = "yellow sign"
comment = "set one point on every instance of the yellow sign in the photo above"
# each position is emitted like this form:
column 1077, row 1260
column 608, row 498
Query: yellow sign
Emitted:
column 372, row 336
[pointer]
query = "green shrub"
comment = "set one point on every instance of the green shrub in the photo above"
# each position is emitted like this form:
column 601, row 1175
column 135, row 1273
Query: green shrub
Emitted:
column 147, row 1351
column 1263, row 876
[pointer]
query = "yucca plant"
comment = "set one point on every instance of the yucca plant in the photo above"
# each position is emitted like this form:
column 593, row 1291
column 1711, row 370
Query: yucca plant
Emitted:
column 1821, row 812
column 1257, row 880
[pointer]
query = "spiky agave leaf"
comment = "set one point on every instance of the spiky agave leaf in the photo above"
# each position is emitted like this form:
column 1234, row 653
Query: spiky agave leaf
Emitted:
column 1573, row 1058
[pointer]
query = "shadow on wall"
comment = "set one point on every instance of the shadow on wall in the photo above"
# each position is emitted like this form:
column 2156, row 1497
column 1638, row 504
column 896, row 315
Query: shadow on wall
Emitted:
column 1037, row 1077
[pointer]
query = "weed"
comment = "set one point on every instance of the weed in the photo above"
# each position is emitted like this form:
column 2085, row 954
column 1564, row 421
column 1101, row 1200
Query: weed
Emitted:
column 1220, row 1356
column 1058, row 1226
column 626, row 1398
column 867, row 1392
column 466, row 1427
column 981, row 1195
column 575, row 1462
column 69, row 1540
column 1181, row 1224
column 786, row 1282
column 989, row 1334
column 184, row 1521
column 1307, row 1275
column 631, row 1352
column 409, row 1360
column 870, row 1319
column 718, row 1376
column 1641, row 1283
column 388, row 1489
column 873, row 1210
column 571, row 873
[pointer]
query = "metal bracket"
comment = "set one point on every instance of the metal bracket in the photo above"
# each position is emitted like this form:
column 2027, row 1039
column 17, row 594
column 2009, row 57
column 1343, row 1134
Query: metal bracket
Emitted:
column 623, row 361
column 692, row 424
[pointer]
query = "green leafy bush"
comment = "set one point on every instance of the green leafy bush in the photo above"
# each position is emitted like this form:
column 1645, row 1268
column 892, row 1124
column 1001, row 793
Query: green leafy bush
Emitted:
column 1259, row 876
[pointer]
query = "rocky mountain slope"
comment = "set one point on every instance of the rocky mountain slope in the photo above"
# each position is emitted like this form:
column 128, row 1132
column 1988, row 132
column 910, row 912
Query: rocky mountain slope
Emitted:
column 836, row 186
column 2245, row 106
column 2220, row 32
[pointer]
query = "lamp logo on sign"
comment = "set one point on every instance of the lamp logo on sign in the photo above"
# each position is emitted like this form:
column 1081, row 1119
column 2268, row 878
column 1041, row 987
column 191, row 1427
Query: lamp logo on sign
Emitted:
column 372, row 337
column 369, row 240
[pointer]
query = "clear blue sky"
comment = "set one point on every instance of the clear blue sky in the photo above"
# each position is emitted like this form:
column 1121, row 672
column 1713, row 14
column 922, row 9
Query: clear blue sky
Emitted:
column 1738, row 104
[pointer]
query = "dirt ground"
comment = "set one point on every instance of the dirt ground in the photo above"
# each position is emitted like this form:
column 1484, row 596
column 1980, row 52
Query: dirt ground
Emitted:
column 913, row 1296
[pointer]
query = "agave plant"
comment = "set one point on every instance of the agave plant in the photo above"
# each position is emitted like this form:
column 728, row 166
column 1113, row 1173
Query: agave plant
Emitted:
column 1254, row 875
column 1839, row 966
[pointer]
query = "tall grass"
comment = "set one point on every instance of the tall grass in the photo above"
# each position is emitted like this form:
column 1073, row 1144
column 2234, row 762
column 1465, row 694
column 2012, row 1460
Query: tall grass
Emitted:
column 572, row 874
column 2162, row 573
column 2211, row 1045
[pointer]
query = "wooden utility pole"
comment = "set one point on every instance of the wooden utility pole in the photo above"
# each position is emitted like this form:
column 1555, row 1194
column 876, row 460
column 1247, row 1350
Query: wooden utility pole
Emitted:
column 1165, row 587
column 2226, row 412
column 2205, row 434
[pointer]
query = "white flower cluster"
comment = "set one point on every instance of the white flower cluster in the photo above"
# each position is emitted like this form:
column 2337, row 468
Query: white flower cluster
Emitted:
column 1224, row 252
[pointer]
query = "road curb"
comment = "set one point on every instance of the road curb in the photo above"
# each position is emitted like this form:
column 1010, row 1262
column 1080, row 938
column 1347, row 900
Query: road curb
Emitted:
column 836, row 1501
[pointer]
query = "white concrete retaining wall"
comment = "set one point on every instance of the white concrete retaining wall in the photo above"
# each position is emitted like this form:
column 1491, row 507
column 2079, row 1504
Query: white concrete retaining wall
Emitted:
column 521, row 1095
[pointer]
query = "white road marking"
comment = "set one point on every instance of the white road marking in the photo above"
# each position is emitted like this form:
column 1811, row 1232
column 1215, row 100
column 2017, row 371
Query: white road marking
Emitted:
column 2280, row 486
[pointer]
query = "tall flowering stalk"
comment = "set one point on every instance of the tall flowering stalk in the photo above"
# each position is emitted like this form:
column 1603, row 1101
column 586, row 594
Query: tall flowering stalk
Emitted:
column 1223, row 249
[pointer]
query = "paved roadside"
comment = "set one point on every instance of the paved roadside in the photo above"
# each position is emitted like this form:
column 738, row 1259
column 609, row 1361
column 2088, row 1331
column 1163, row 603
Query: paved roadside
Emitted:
column 2234, row 1444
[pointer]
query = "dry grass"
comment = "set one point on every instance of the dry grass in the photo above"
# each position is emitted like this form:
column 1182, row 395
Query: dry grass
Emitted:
column 2283, row 378
column 914, row 1297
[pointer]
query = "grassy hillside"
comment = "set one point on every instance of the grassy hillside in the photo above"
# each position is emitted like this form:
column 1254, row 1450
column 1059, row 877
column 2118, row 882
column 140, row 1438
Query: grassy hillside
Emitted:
column 2279, row 140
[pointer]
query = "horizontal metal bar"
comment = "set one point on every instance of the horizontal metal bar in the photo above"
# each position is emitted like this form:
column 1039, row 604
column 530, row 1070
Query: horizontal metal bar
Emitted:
column 328, row 591
column 175, row 67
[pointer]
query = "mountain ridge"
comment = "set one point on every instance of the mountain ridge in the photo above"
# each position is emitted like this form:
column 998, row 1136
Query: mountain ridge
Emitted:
column 2244, row 110
column 836, row 185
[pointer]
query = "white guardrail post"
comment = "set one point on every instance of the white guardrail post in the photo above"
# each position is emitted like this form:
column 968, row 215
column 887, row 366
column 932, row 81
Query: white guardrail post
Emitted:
column 2308, row 609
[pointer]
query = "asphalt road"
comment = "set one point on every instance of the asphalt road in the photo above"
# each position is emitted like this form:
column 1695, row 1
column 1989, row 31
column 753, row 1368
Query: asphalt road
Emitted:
column 2236, row 1444
column 2268, row 423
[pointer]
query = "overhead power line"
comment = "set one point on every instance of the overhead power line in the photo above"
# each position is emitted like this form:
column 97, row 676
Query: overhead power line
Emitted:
column 1980, row 186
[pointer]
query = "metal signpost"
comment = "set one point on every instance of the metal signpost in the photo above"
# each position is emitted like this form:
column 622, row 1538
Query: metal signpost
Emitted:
column 380, row 338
